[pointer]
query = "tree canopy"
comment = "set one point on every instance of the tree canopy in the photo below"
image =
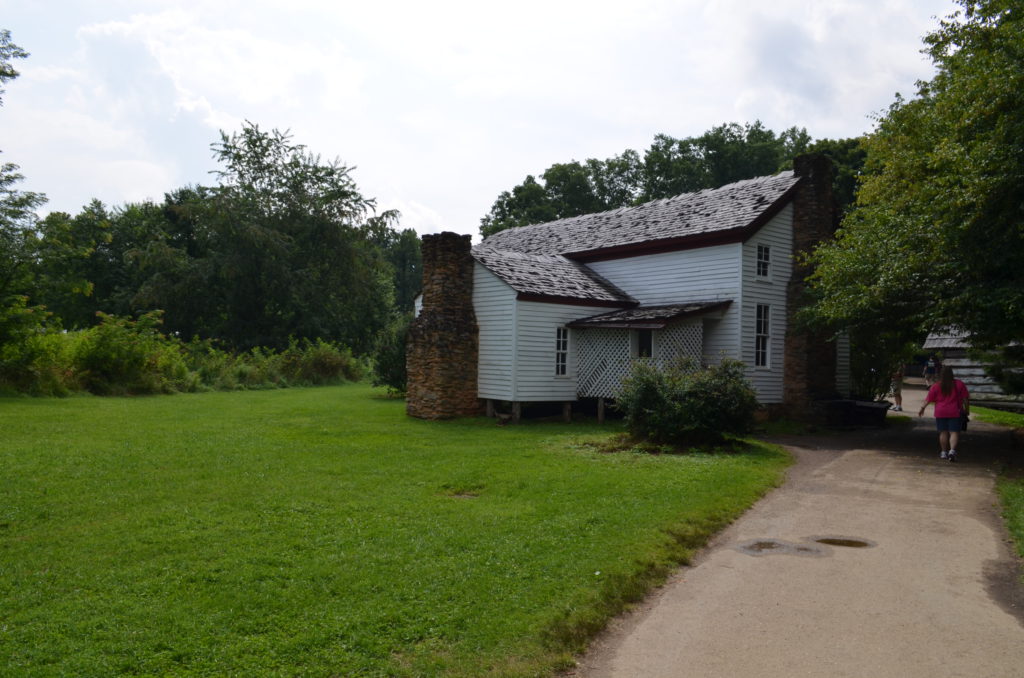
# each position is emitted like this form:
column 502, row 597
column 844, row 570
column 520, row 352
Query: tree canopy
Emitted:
column 670, row 166
column 936, row 237
column 283, row 248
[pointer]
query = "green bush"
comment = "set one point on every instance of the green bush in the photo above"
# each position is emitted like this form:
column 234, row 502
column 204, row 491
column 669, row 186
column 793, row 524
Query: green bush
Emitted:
column 389, row 355
column 319, row 363
column 124, row 356
column 121, row 356
column 682, row 403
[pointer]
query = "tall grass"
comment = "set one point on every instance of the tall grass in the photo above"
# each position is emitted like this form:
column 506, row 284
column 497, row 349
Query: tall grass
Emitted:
column 132, row 357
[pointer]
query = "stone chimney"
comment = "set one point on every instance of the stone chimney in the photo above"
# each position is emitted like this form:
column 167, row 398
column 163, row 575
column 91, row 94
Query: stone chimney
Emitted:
column 810, row 361
column 442, row 347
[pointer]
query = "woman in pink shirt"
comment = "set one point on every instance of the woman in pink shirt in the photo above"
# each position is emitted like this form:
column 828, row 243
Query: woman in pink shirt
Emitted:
column 951, row 398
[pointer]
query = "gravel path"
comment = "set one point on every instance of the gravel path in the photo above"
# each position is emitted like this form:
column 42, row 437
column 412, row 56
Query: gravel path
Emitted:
column 931, row 590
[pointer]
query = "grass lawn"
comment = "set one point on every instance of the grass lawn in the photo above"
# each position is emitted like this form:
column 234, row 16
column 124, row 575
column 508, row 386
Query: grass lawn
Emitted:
column 1010, row 485
column 321, row 532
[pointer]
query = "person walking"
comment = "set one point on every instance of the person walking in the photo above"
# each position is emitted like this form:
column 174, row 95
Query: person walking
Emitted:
column 930, row 370
column 952, row 401
column 896, row 389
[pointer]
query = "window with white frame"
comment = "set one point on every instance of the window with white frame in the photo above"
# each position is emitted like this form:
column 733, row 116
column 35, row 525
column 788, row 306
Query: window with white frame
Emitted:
column 762, row 336
column 562, row 352
column 644, row 344
column 764, row 261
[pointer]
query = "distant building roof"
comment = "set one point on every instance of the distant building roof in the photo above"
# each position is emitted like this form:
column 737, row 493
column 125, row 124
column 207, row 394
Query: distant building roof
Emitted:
column 947, row 339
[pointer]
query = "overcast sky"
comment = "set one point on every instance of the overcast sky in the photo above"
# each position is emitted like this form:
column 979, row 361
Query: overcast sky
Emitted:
column 439, row 105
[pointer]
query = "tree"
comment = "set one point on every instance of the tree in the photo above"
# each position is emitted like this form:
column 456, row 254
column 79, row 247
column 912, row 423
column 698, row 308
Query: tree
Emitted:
column 935, row 237
column 527, row 203
column 289, row 256
column 848, row 157
column 19, row 319
column 670, row 166
column 17, row 208
column 8, row 52
column 402, row 250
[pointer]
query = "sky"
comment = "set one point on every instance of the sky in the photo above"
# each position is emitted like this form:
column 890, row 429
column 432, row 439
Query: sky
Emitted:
column 438, row 106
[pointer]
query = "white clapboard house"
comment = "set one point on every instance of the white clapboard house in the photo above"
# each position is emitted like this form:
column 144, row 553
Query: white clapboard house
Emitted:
column 563, row 308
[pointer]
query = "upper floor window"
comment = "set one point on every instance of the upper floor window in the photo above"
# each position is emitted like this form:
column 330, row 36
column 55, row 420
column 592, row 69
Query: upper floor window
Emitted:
column 764, row 260
column 561, row 351
column 762, row 336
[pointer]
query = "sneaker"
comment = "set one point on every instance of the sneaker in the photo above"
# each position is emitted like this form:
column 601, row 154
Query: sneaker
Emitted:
column 952, row 455
column 897, row 408
column 943, row 455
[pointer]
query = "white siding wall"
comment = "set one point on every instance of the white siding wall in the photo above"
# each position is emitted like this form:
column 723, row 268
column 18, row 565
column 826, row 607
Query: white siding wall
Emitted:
column 778, row 235
column 536, row 325
column 494, row 303
column 690, row 275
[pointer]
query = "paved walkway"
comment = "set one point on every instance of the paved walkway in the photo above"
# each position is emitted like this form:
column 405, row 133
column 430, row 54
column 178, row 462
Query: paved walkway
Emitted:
column 935, row 593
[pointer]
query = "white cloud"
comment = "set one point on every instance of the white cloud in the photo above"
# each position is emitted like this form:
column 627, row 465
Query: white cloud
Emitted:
column 440, row 105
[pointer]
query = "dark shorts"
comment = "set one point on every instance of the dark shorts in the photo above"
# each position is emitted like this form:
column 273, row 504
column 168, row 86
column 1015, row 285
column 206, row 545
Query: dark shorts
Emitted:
column 951, row 424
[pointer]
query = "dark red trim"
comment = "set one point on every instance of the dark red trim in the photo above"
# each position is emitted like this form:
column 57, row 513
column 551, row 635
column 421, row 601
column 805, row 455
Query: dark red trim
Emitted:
column 573, row 301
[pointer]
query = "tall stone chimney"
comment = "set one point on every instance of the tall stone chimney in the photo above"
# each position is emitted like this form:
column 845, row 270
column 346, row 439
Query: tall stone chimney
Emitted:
column 810, row 362
column 442, row 347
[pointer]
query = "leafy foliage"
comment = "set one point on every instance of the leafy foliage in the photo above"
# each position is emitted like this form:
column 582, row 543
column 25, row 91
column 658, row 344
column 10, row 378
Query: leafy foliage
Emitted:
column 121, row 356
column 935, row 238
column 670, row 166
column 389, row 355
column 684, row 404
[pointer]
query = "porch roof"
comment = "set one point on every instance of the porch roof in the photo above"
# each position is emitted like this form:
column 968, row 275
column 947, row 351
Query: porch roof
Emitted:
column 650, row 317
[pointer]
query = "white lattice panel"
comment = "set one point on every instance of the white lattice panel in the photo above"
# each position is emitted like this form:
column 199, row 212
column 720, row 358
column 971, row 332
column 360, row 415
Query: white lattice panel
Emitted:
column 603, row 362
column 681, row 339
column 604, row 355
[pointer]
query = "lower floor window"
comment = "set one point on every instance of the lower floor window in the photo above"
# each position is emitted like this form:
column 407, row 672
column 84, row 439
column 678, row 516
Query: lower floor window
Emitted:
column 762, row 335
column 562, row 351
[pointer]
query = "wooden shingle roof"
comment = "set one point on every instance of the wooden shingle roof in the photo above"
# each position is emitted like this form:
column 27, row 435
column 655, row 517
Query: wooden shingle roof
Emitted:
column 551, row 276
column 548, row 260
column 653, row 317
column 730, row 210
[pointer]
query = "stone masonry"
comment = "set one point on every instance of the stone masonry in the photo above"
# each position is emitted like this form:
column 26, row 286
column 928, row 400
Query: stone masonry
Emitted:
column 443, row 342
column 810, row 360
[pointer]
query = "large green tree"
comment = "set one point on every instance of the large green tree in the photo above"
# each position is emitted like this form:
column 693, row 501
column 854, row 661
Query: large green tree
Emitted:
column 936, row 237
column 17, row 230
column 289, row 256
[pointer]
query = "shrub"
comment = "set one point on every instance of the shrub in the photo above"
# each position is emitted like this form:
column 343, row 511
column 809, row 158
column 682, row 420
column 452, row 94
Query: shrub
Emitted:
column 122, row 356
column 320, row 362
column 389, row 355
column 682, row 403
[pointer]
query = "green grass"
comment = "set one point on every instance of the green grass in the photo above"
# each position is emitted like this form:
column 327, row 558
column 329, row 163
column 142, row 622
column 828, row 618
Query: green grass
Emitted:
column 1000, row 417
column 1011, row 484
column 1011, row 492
column 321, row 532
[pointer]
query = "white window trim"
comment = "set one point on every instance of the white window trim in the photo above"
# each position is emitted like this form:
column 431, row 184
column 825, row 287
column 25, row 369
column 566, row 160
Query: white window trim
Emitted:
column 562, row 352
column 766, row 337
column 767, row 261
column 634, row 344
